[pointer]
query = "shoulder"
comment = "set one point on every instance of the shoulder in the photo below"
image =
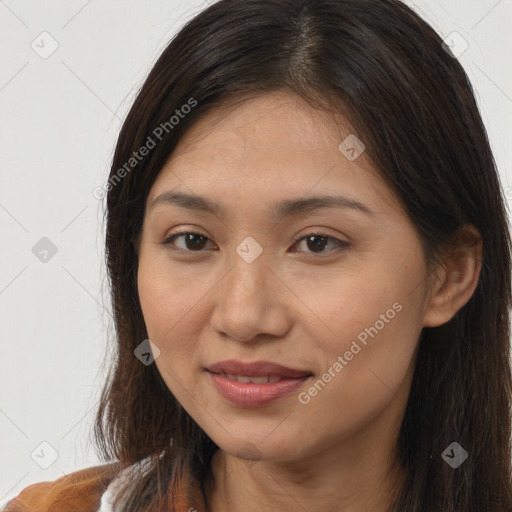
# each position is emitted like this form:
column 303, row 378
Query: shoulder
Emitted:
column 80, row 491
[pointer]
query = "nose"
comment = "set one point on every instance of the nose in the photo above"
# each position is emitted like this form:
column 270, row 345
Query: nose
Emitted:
column 251, row 300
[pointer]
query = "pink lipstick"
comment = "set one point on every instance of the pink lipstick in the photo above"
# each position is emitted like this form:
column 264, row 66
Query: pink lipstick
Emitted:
column 255, row 384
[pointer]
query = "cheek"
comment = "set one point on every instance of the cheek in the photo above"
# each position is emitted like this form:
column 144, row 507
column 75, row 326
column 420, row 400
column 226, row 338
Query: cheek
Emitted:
column 343, row 305
column 372, row 319
column 165, row 295
column 167, row 314
column 366, row 367
column 171, row 304
column 155, row 301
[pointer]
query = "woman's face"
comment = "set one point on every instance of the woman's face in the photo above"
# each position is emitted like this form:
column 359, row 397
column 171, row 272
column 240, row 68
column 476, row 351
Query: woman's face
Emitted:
column 343, row 307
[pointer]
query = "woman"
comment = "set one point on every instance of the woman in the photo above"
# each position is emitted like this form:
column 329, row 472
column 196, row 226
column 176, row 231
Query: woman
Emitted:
column 310, row 266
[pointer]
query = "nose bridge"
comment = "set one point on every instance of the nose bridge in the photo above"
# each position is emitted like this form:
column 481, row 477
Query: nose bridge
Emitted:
column 245, row 305
column 250, row 273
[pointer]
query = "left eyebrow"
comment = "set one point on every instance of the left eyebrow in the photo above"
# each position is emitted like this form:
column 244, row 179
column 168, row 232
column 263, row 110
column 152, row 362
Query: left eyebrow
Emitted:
column 280, row 210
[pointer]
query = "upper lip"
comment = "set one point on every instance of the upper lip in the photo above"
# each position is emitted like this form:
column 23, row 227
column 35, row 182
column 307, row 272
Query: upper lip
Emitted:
column 257, row 368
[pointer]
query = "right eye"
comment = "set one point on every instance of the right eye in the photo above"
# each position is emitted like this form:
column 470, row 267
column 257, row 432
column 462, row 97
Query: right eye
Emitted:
column 192, row 242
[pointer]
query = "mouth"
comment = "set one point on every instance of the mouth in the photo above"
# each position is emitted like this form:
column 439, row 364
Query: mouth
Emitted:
column 262, row 379
column 258, row 372
column 260, row 388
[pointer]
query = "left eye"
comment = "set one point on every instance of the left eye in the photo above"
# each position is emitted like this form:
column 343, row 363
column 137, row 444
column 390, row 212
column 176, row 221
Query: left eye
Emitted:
column 316, row 242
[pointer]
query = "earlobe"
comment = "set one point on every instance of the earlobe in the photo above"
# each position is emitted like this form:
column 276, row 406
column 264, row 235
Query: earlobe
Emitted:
column 457, row 279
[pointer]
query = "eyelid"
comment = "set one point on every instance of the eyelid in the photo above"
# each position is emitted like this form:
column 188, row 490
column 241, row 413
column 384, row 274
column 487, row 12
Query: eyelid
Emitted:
column 318, row 232
column 170, row 238
column 341, row 244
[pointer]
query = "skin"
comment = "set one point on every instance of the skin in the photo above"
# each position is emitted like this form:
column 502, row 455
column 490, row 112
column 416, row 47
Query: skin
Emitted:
column 291, row 305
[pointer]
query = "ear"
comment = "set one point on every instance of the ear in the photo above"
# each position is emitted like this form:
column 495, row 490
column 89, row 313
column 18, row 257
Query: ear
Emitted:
column 456, row 278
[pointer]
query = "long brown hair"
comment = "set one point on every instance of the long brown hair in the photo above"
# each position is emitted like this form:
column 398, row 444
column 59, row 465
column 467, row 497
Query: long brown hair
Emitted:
column 387, row 72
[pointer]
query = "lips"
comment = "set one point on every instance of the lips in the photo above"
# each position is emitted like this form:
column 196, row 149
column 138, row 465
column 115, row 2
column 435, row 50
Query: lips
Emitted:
column 255, row 384
column 238, row 370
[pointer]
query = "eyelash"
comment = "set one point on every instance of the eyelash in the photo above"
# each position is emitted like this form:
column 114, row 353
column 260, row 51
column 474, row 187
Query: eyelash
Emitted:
column 342, row 245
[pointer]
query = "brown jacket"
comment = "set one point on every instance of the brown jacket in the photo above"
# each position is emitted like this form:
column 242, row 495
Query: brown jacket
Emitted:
column 81, row 491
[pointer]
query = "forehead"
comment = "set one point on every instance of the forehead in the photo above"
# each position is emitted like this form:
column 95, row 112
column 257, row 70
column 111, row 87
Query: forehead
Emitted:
column 276, row 122
column 272, row 145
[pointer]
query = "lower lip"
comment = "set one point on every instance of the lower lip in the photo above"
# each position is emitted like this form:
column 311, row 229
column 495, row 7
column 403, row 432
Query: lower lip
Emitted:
column 250, row 394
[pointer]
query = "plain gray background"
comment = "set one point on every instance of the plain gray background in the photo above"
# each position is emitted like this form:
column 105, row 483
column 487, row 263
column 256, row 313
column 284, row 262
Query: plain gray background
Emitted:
column 60, row 115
